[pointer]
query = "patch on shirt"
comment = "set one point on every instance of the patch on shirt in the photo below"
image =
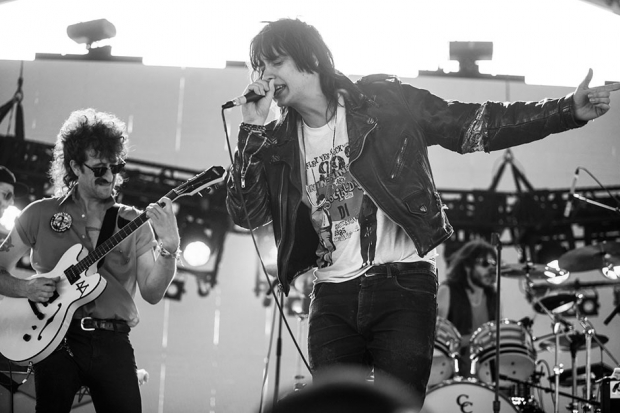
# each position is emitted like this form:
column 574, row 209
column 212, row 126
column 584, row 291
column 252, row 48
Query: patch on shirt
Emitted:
column 61, row 222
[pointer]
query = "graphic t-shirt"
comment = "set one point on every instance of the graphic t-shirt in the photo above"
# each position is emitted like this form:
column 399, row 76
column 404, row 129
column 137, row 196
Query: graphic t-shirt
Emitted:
column 354, row 234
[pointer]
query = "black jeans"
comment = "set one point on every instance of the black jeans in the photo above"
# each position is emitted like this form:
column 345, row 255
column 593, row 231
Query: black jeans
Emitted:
column 385, row 321
column 102, row 360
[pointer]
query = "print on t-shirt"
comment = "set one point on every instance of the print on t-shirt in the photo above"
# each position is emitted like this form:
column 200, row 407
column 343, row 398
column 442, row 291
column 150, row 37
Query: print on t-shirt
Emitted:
column 336, row 205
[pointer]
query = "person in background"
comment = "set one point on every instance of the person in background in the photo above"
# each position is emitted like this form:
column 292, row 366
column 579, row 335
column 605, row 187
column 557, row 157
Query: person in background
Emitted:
column 344, row 176
column 89, row 155
column 9, row 189
column 468, row 297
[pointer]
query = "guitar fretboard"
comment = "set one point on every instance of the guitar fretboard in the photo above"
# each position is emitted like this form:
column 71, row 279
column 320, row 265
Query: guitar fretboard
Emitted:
column 192, row 186
column 73, row 272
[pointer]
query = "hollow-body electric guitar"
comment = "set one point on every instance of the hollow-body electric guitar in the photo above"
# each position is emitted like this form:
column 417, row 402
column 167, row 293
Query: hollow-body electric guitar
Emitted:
column 31, row 331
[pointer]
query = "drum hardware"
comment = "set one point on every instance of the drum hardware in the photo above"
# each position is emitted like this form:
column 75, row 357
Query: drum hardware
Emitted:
column 570, row 342
column 445, row 353
column 565, row 338
column 532, row 270
column 556, row 303
column 537, row 386
column 559, row 327
column 598, row 371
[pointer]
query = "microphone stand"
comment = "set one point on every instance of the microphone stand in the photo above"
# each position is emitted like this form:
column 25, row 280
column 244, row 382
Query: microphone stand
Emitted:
column 589, row 201
column 278, row 353
column 495, row 373
column 613, row 313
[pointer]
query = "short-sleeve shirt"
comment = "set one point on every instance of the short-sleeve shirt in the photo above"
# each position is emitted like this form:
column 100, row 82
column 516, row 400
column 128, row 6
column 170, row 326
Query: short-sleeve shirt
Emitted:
column 44, row 226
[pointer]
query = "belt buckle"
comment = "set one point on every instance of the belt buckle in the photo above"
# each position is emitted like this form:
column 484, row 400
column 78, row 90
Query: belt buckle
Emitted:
column 86, row 328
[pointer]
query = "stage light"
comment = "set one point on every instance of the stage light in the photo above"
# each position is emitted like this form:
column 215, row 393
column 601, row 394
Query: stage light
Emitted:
column 196, row 253
column 7, row 220
column 91, row 31
column 176, row 289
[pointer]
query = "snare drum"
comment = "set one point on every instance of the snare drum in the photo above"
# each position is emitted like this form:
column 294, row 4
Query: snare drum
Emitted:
column 517, row 352
column 464, row 395
column 447, row 343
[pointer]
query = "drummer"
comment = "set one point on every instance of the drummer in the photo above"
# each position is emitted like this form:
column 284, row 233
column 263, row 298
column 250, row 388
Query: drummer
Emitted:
column 467, row 298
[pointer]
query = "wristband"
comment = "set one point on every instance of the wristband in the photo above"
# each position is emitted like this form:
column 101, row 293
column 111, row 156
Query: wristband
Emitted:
column 166, row 254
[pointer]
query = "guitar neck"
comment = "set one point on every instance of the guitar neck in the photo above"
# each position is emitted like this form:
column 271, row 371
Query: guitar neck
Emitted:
column 102, row 250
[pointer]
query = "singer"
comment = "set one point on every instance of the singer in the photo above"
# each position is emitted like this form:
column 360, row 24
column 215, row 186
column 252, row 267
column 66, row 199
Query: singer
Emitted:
column 345, row 177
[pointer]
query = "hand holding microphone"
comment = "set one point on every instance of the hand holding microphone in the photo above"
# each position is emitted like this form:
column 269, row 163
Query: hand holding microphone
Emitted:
column 261, row 94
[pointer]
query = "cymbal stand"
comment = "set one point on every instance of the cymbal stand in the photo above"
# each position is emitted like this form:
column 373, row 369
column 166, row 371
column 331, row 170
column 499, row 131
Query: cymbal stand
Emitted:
column 589, row 333
column 299, row 377
column 544, row 389
column 557, row 368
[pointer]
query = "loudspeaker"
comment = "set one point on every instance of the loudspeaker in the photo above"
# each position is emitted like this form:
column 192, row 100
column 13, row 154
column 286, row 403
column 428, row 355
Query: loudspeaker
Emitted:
column 610, row 396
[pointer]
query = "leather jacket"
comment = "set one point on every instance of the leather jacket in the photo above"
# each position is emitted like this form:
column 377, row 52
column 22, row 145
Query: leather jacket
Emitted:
column 390, row 125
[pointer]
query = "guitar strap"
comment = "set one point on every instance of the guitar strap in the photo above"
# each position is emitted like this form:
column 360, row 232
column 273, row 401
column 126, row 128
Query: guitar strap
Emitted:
column 107, row 228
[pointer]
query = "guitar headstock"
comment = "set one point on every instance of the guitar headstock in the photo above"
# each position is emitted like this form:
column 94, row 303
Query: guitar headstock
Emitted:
column 200, row 182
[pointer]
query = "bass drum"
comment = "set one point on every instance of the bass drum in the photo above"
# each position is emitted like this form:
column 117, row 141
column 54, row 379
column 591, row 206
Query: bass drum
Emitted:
column 447, row 343
column 464, row 395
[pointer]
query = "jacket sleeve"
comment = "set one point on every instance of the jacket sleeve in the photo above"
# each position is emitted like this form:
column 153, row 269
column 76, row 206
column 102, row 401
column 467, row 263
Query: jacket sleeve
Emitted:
column 246, row 182
column 490, row 126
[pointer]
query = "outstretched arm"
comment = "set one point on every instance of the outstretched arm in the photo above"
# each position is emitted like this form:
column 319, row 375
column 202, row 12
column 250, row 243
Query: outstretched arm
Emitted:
column 590, row 103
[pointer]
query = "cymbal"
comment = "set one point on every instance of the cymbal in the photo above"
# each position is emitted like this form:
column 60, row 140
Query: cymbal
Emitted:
column 556, row 303
column 590, row 257
column 597, row 370
column 540, row 271
column 576, row 340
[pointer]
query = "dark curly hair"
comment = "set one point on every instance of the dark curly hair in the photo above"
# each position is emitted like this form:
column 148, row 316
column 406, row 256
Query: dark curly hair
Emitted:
column 465, row 257
column 84, row 130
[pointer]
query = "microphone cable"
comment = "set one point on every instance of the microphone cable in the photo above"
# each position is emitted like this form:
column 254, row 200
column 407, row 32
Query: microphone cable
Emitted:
column 258, row 253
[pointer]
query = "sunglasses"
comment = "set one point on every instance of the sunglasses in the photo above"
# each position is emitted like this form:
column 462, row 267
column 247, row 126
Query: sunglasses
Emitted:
column 486, row 263
column 99, row 171
column 8, row 196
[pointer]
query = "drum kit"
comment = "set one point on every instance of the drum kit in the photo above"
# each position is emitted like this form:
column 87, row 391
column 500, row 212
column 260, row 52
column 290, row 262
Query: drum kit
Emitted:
column 474, row 391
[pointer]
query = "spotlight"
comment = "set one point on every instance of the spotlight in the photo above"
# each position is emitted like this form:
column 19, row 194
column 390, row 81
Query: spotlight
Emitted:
column 91, row 31
column 196, row 245
column 175, row 290
column 205, row 282
column 298, row 305
column 468, row 54
column 7, row 220
column 196, row 253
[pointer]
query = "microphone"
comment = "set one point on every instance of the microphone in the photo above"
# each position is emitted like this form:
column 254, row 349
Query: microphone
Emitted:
column 571, row 195
column 248, row 97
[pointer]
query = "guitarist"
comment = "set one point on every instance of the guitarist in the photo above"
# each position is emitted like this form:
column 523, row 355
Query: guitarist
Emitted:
column 96, row 352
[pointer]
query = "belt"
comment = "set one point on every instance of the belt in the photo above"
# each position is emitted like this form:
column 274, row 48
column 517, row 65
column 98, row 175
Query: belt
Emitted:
column 91, row 324
column 395, row 268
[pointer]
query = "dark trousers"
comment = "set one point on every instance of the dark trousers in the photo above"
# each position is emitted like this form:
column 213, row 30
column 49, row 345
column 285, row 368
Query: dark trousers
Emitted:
column 102, row 360
column 385, row 321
